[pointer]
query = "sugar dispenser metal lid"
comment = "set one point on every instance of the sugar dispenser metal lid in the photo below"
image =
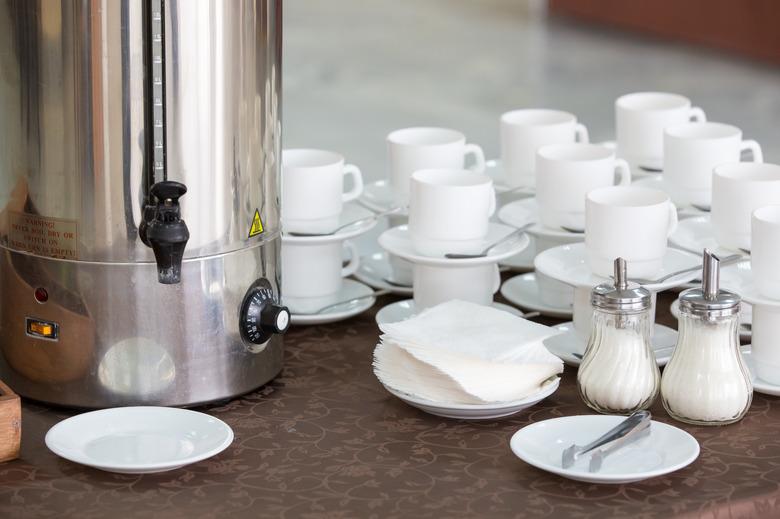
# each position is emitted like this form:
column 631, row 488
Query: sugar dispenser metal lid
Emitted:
column 622, row 296
column 710, row 301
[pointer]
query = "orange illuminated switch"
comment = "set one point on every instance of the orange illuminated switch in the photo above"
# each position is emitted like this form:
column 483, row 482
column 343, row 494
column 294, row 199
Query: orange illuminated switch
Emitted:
column 42, row 329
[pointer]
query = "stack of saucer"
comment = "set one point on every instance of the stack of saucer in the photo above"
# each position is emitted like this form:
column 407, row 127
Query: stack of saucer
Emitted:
column 318, row 222
column 449, row 215
column 438, row 361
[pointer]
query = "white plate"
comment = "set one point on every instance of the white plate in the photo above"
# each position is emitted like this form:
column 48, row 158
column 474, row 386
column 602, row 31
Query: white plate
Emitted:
column 373, row 271
column 569, row 264
column 139, row 440
column 745, row 332
column 476, row 411
column 351, row 213
column 380, row 196
column 739, row 278
column 525, row 211
column 401, row 310
column 523, row 291
column 759, row 386
column 398, row 241
column 666, row 449
column 696, row 234
column 349, row 289
column 566, row 345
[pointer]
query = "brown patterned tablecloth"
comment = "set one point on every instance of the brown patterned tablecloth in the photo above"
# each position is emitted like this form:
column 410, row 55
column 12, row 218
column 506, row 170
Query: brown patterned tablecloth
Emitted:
column 325, row 440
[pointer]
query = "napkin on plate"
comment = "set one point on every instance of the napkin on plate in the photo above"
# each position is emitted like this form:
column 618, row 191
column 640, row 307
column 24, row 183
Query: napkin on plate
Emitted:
column 460, row 352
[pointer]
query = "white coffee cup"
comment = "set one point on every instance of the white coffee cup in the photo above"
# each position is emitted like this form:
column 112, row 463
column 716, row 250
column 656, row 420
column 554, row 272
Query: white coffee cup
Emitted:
column 449, row 211
column 313, row 189
column 765, row 347
column 738, row 189
column 692, row 150
column 314, row 271
column 628, row 222
column 525, row 131
column 765, row 251
column 565, row 173
column 435, row 285
column 640, row 119
column 412, row 149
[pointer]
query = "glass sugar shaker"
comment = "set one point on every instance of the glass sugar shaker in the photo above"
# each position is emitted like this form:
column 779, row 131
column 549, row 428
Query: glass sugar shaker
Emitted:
column 706, row 381
column 619, row 374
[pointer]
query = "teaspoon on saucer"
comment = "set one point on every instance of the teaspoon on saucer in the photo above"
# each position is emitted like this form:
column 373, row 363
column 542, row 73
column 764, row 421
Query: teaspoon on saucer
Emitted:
column 512, row 235
column 350, row 224
column 376, row 293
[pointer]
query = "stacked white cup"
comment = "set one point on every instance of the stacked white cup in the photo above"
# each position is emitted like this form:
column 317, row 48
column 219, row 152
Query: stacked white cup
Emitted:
column 448, row 213
column 313, row 200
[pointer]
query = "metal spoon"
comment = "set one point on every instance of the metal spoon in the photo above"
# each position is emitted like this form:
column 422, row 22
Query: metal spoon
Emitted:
column 376, row 293
column 648, row 169
column 572, row 230
column 516, row 233
column 701, row 207
column 734, row 258
column 350, row 224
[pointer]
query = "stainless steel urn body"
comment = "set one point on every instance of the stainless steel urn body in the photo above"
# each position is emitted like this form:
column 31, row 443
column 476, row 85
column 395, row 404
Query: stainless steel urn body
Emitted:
column 101, row 103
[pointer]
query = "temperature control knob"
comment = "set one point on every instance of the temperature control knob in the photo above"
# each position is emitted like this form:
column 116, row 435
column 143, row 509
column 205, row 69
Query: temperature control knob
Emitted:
column 261, row 316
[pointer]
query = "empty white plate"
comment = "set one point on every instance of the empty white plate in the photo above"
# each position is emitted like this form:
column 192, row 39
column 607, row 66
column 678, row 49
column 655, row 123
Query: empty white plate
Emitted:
column 568, row 345
column 139, row 440
column 664, row 450
column 523, row 291
column 477, row 411
column 400, row 310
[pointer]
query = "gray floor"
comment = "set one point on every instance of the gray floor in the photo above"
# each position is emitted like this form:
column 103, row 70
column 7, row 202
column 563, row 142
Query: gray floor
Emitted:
column 356, row 69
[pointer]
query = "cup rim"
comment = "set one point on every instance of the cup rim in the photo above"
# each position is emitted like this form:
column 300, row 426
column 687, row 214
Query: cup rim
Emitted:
column 630, row 101
column 456, row 178
column 769, row 214
column 600, row 196
column 575, row 152
column 426, row 136
column 310, row 158
column 703, row 131
column 748, row 171
column 537, row 117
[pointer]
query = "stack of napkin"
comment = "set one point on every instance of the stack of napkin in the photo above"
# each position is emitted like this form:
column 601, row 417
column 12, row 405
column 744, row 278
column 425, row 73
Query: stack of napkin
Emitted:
column 464, row 353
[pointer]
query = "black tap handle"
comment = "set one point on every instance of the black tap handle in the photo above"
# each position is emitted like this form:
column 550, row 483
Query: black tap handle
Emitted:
column 168, row 190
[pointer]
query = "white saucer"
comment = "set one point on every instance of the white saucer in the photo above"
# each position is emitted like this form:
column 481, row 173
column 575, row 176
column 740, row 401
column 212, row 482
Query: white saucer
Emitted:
column 401, row 310
column 739, row 278
column 695, row 234
column 139, row 440
column 373, row 271
column 523, row 291
column 351, row 213
column 525, row 211
column 565, row 345
column 666, row 449
column 495, row 170
column 398, row 241
column 569, row 264
column 745, row 332
column 349, row 289
column 522, row 262
column 380, row 196
column 476, row 411
column 759, row 386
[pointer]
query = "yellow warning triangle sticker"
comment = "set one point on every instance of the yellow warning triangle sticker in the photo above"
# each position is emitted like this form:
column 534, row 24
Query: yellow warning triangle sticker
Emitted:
column 257, row 225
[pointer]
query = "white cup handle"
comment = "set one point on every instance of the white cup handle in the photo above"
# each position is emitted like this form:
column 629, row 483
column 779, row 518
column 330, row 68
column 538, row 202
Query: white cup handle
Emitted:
column 496, row 278
column 350, row 170
column 479, row 157
column 354, row 260
column 623, row 171
column 673, row 220
column 697, row 115
column 581, row 133
column 755, row 149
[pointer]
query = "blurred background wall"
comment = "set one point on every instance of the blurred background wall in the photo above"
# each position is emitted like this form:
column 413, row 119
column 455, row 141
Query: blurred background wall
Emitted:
column 356, row 69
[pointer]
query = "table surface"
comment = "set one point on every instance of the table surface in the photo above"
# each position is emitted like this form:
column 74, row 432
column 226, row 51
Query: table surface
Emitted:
column 325, row 440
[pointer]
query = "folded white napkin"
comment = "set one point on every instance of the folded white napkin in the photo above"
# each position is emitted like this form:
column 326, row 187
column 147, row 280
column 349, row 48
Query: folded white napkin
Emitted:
column 460, row 352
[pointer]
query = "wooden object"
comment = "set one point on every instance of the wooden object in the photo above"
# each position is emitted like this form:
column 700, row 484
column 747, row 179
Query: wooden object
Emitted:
column 10, row 423
column 747, row 27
